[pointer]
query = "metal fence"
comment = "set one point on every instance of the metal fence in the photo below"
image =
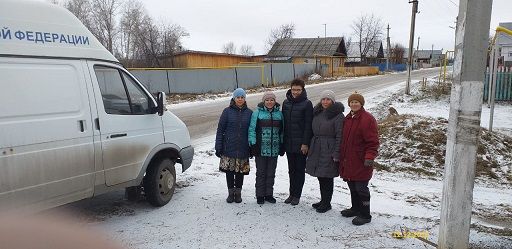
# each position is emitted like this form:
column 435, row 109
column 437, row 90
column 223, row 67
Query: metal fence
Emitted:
column 503, row 84
column 215, row 80
column 392, row 67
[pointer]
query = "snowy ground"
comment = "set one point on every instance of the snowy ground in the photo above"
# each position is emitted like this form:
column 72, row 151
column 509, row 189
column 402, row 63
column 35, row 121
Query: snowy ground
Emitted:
column 199, row 217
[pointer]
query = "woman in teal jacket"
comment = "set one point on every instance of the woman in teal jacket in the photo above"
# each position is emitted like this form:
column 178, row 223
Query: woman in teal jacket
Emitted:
column 265, row 139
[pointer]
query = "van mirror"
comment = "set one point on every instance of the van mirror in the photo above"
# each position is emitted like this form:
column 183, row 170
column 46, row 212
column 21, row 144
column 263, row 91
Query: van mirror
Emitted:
column 161, row 103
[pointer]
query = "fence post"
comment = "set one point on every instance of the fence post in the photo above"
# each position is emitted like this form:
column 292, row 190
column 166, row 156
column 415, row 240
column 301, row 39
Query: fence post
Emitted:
column 168, row 81
column 236, row 78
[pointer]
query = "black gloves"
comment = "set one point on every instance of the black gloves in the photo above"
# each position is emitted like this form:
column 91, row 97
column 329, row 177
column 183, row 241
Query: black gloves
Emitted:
column 254, row 150
column 281, row 150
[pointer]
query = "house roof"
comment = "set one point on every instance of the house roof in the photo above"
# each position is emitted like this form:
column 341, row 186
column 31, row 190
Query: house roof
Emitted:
column 308, row 47
column 375, row 51
column 425, row 54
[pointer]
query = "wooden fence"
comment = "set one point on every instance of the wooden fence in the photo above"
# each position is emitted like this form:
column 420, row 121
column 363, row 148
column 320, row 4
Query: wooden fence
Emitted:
column 361, row 71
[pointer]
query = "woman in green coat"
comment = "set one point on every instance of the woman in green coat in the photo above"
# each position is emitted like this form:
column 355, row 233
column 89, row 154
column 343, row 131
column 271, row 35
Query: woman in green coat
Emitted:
column 265, row 139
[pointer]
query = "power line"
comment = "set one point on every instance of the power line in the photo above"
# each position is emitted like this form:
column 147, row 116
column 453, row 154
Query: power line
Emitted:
column 454, row 3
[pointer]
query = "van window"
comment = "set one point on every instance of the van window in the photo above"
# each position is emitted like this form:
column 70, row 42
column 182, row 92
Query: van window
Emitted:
column 33, row 89
column 139, row 100
column 121, row 94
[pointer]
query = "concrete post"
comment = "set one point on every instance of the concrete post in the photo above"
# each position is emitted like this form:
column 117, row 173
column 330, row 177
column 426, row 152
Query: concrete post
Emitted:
column 464, row 122
column 411, row 45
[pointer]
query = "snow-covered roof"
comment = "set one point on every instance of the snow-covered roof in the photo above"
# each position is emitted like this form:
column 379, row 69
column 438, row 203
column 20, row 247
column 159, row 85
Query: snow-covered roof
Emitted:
column 33, row 28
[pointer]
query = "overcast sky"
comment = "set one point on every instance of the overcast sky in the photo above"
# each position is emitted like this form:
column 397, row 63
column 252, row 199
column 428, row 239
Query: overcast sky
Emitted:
column 212, row 23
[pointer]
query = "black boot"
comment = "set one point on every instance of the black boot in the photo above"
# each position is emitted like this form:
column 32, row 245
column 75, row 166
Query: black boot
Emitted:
column 270, row 199
column 364, row 216
column 260, row 200
column 324, row 207
column 316, row 205
column 359, row 220
column 231, row 195
column 238, row 195
column 349, row 213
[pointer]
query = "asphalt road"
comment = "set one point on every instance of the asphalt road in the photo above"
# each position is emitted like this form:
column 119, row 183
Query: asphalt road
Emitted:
column 201, row 119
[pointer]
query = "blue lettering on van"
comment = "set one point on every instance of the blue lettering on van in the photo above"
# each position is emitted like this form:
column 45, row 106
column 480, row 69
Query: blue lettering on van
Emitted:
column 44, row 37
column 6, row 34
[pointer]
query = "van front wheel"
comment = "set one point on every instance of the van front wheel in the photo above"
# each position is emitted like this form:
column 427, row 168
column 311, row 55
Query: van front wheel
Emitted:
column 160, row 182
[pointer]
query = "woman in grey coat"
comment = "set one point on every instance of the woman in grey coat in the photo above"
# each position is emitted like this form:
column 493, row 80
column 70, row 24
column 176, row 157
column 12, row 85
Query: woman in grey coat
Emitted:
column 324, row 152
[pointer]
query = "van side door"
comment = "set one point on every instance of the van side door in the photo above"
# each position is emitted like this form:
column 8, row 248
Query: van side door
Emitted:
column 128, row 123
column 46, row 142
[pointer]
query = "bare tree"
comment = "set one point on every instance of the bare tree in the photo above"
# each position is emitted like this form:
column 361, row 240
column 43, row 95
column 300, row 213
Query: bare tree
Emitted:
column 82, row 10
column 132, row 16
column 367, row 31
column 282, row 32
column 104, row 21
column 246, row 50
column 229, row 48
column 397, row 53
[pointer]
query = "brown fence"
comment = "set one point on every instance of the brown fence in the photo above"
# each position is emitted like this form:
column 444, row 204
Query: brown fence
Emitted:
column 360, row 71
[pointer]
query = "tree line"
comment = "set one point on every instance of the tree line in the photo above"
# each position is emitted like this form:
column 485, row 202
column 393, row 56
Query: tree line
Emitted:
column 126, row 29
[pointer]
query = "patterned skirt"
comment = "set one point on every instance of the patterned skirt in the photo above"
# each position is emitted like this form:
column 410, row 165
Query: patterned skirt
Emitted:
column 228, row 164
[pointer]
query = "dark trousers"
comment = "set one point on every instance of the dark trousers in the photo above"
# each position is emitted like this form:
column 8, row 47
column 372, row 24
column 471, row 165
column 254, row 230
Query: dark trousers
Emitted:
column 360, row 197
column 326, row 189
column 234, row 180
column 265, row 174
column 296, row 172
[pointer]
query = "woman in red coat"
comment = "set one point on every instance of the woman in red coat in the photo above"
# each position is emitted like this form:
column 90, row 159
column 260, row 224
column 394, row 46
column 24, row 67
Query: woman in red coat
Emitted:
column 358, row 152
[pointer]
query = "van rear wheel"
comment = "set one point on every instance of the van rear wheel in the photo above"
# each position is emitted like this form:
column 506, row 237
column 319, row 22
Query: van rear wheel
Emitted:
column 160, row 182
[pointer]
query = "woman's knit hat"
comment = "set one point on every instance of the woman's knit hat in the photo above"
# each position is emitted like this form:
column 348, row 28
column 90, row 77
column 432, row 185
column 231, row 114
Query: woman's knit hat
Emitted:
column 239, row 92
column 328, row 94
column 356, row 96
column 268, row 95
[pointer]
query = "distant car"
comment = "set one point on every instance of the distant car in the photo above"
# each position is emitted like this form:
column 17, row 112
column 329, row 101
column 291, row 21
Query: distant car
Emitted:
column 73, row 122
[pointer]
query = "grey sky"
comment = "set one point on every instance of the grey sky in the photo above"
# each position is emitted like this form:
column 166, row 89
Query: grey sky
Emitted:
column 214, row 23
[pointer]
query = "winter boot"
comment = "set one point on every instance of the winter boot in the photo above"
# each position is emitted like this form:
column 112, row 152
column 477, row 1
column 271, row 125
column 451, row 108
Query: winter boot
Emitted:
column 238, row 195
column 295, row 201
column 231, row 195
column 288, row 200
column 349, row 212
column 324, row 207
column 260, row 200
column 316, row 205
column 359, row 220
column 270, row 199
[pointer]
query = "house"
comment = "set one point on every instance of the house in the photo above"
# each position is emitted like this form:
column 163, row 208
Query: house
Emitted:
column 328, row 53
column 374, row 53
column 191, row 58
column 428, row 58
column 505, row 41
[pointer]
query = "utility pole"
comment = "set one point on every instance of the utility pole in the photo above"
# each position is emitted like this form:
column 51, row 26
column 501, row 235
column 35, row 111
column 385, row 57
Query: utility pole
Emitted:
column 464, row 123
column 388, row 49
column 417, row 55
column 432, row 55
column 325, row 33
column 411, row 45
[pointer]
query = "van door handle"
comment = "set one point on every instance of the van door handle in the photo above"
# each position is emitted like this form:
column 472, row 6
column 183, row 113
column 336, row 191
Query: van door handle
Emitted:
column 118, row 135
column 81, row 125
column 97, row 122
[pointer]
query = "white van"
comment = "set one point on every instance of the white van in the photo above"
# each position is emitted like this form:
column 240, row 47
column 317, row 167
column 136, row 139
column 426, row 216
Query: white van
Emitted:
column 73, row 122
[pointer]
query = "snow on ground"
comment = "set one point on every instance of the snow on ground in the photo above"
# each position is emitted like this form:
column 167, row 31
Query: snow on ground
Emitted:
column 199, row 217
